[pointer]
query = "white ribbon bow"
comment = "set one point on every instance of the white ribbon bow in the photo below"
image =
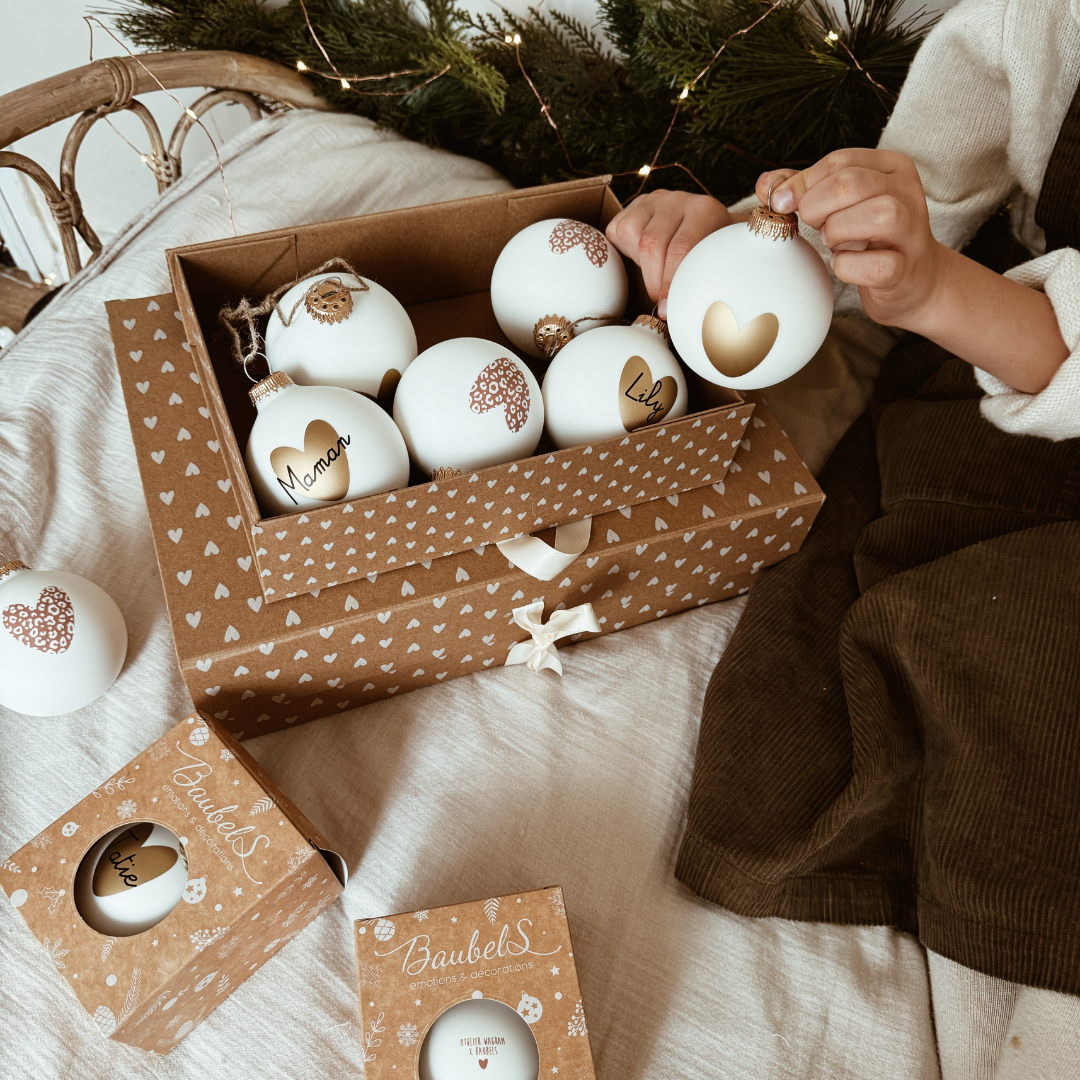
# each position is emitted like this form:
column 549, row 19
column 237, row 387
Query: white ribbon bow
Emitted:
column 540, row 653
column 542, row 561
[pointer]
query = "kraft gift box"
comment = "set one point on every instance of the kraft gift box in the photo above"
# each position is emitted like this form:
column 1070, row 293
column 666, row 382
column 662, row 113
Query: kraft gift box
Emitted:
column 258, row 873
column 514, row 949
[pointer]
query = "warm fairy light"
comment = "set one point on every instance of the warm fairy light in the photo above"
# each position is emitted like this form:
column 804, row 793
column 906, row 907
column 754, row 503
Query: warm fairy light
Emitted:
column 832, row 35
column 644, row 170
column 344, row 84
column 191, row 112
column 144, row 159
column 685, row 94
column 301, row 66
column 508, row 39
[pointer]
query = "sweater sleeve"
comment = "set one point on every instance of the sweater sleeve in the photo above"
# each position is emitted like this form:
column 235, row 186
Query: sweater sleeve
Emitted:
column 1054, row 413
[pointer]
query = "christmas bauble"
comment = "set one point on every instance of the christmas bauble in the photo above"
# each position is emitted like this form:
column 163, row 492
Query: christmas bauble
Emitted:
column 479, row 1037
column 340, row 334
column 468, row 403
column 612, row 380
column 131, row 879
column 553, row 280
column 751, row 303
column 62, row 643
column 314, row 445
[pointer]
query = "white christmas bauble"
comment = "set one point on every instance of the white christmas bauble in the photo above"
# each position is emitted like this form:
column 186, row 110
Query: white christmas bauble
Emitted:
column 751, row 303
column 611, row 381
column 62, row 643
column 314, row 445
column 476, row 1031
column 554, row 280
column 131, row 879
column 361, row 340
column 468, row 403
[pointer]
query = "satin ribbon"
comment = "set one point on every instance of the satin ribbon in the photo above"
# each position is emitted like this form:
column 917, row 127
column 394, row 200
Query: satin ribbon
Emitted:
column 540, row 653
column 542, row 561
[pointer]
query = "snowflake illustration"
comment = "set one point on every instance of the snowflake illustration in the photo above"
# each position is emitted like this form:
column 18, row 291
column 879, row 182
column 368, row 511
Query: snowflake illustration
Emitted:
column 42, row 841
column 370, row 974
column 226, row 754
column 408, row 1034
column 420, row 916
column 56, row 954
column 158, row 750
column 203, row 939
column 126, row 809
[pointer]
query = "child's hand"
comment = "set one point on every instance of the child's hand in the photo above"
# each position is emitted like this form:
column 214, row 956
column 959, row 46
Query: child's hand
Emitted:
column 869, row 208
column 657, row 230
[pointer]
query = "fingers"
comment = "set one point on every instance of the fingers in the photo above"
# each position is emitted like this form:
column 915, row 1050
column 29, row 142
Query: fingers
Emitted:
column 765, row 181
column 883, row 221
column 788, row 194
column 658, row 229
column 878, row 268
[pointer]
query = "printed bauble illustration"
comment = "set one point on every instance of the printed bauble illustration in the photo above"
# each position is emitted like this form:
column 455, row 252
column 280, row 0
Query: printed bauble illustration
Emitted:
column 195, row 891
column 341, row 330
column 314, row 445
column 479, row 1037
column 62, row 643
column 468, row 403
column 529, row 1008
column 131, row 879
column 611, row 381
column 384, row 929
column 751, row 303
column 554, row 280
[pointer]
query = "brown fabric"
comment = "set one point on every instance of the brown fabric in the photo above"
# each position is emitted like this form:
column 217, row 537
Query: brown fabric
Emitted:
column 893, row 734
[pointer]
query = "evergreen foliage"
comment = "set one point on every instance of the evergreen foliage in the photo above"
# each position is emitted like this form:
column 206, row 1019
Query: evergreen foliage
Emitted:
column 786, row 93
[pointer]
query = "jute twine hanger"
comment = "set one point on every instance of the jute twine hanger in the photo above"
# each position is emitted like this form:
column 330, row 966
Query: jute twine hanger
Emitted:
column 245, row 314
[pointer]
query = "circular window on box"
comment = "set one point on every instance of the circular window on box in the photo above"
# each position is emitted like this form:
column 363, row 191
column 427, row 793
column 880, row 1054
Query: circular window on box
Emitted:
column 477, row 1038
column 131, row 879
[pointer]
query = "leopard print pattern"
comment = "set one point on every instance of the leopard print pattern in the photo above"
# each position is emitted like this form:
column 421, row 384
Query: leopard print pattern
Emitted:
column 569, row 234
column 48, row 626
column 501, row 383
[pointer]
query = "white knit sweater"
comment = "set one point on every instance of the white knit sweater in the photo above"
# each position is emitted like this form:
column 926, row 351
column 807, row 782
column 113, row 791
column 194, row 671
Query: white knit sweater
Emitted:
column 979, row 114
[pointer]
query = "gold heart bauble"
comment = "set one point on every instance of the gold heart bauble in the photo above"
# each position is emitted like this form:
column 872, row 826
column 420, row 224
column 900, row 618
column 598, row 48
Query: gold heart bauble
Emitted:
column 734, row 352
column 126, row 864
column 643, row 400
column 320, row 470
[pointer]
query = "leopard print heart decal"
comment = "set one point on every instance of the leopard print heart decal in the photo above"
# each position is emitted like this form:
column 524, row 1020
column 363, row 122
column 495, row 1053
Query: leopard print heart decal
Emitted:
column 567, row 235
column 48, row 626
column 501, row 383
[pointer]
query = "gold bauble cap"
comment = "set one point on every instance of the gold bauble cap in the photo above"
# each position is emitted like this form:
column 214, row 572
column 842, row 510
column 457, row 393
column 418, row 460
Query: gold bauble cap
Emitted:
column 11, row 566
column 772, row 225
column 269, row 386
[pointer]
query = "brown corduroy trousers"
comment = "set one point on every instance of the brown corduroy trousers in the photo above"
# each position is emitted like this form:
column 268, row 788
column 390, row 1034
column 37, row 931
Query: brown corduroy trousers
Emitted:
column 893, row 734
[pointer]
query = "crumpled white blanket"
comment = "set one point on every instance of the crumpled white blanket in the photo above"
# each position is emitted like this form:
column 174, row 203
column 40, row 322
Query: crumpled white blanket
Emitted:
column 493, row 783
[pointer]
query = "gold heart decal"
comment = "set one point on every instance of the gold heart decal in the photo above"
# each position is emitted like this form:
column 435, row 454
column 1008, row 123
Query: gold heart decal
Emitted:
column 385, row 397
column 126, row 864
column 642, row 400
column 48, row 626
column 320, row 470
column 734, row 352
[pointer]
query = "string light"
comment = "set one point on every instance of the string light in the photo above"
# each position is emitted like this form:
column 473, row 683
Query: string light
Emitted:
column 685, row 94
column 832, row 35
column 644, row 170
column 191, row 112
column 301, row 66
column 344, row 84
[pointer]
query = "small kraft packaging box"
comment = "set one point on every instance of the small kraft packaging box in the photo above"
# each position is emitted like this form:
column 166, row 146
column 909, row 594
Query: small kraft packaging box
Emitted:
column 257, row 872
column 488, row 988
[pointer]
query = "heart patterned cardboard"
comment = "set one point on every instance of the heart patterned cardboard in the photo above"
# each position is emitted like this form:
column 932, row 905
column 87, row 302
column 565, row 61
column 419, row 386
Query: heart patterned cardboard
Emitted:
column 515, row 949
column 258, row 873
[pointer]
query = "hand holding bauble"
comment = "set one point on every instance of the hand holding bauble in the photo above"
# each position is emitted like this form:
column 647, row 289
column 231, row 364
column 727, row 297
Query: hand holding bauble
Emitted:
column 467, row 403
column 341, row 330
column 314, row 445
column 553, row 280
column 611, row 381
column 751, row 303
column 62, row 643
column 479, row 1037
column 131, row 879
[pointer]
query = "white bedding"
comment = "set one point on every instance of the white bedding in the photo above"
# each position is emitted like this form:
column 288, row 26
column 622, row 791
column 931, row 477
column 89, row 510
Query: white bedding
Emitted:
column 492, row 783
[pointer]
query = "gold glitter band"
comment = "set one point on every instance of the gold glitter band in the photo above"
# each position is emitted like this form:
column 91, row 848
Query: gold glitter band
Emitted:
column 444, row 472
column 651, row 322
column 773, row 225
column 263, row 389
column 11, row 566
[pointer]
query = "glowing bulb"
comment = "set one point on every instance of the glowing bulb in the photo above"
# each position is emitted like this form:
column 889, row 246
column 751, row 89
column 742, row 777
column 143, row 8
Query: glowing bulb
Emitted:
column 192, row 114
column 144, row 159
column 509, row 39
column 832, row 35
column 301, row 66
column 685, row 94
column 344, row 84
column 644, row 170
column 517, row 39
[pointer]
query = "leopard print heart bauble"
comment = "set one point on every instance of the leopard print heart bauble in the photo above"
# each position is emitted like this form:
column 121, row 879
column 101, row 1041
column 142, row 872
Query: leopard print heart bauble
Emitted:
column 48, row 626
column 568, row 235
column 501, row 383
column 465, row 404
